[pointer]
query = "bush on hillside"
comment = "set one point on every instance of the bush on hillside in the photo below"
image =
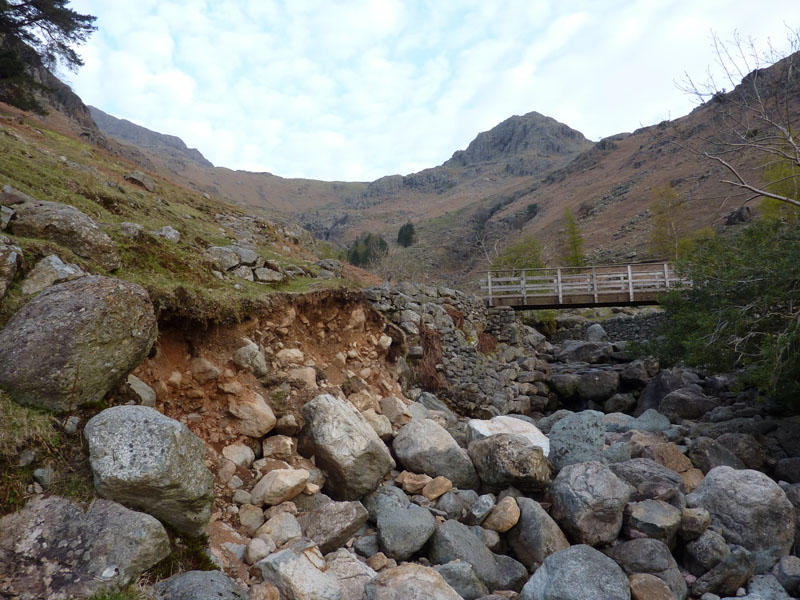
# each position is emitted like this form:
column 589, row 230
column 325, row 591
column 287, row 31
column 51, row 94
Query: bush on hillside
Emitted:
column 525, row 253
column 743, row 310
column 407, row 235
column 367, row 250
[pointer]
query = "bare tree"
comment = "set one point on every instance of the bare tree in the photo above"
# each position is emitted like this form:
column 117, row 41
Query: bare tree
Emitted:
column 758, row 120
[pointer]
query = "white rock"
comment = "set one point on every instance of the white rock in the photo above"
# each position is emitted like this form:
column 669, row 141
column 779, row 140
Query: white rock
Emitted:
column 241, row 454
column 478, row 429
column 279, row 486
column 257, row 418
column 291, row 355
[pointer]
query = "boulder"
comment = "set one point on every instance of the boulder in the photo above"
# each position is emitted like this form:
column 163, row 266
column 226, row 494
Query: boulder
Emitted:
column 168, row 233
column 456, row 503
column 224, row 257
column 595, row 333
column 460, row 576
column 478, row 429
column 663, row 383
column 577, row 573
column 578, row 437
column 346, row 448
column 200, row 585
column 279, row 486
column 141, row 179
column 706, row 552
column 386, row 498
column 649, row 587
column 10, row 259
column 256, row 418
column 586, row 352
column 353, row 575
column 503, row 516
column 706, row 454
column 686, row 404
column 645, row 555
column 67, row 226
column 250, row 357
column 150, row 462
column 728, row 576
column 410, row 581
column 536, row 535
column 647, row 476
column 75, row 342
column 424, row 446
column 507, row 459
column 597, row 386
column 281, row 527
column 455, row 541
column 49, row 271
column 651, row 518
column 404, row 531
column 300, row 572
column 52, row 549
column 330, row 526
column 750, row 510
column 588, row 502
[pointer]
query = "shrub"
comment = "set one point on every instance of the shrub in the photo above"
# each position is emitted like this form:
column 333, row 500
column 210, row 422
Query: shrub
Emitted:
column 522, row 254
column 367, row 250
column 743, row 310
column 407, row 235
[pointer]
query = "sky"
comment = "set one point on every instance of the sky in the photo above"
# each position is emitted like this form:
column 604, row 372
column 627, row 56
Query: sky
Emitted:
column 354, row 90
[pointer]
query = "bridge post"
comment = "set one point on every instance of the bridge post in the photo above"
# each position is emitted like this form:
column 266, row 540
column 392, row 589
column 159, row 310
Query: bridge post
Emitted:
column 666, row 275
column 558, row 285
column 489, row 285
column 524, row 288
column 594, row 284
column 630, row 283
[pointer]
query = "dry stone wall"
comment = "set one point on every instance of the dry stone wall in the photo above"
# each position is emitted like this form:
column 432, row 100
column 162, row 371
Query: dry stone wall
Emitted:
column 481, row 381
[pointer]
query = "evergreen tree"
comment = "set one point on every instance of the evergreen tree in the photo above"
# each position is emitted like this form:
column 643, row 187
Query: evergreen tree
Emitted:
column 49, row 29
column 572, row 241
column 407, row 235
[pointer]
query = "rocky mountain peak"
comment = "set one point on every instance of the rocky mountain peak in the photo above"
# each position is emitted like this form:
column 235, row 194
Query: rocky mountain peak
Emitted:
column 529, row 133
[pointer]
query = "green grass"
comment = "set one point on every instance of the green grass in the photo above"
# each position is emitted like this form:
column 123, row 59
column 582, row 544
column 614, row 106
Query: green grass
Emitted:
column 177, row 276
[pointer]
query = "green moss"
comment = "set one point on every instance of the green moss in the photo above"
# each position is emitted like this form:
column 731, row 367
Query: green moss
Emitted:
column 186, row 555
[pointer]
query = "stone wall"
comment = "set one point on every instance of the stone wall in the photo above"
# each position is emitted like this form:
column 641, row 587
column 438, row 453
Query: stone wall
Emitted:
column 510, row 378
column 621, row 327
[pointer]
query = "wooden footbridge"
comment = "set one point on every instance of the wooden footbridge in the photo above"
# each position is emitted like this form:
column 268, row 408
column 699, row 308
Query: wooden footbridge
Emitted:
column 580, row 287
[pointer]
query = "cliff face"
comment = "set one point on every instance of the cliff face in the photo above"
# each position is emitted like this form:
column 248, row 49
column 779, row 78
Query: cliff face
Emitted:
column 126, row 131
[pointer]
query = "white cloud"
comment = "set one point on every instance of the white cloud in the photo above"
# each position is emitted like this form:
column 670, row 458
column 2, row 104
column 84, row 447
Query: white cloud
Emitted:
column 356, row 89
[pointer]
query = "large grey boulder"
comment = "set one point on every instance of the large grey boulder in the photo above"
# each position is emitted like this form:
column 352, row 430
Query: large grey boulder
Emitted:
column 663, row 383
column 410, row 581
column 52, row 549
column 148, row 461
column 645, row 555
column 588, row 502
column 76, row 341
column 645, row 475
column 597, row 385
column 750, row 510
column 587, row 352
column 346, row 447
column 686, row 403
column 577, row 573
column 508, row 459
column 330, row 526
column 299, row 571
column 578, row 437
column 424, row 446
column 68, row 226
column 386, row 498
column 460, row 576
column 536, row 535
column 455, row 541
column 404, row 531
column 200, row 585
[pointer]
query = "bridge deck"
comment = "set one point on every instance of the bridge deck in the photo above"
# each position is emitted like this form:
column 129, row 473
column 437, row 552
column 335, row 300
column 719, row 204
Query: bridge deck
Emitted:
column 580, row 287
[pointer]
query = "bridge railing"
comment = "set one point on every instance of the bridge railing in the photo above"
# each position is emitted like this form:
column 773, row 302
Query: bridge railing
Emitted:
column 566, row 285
